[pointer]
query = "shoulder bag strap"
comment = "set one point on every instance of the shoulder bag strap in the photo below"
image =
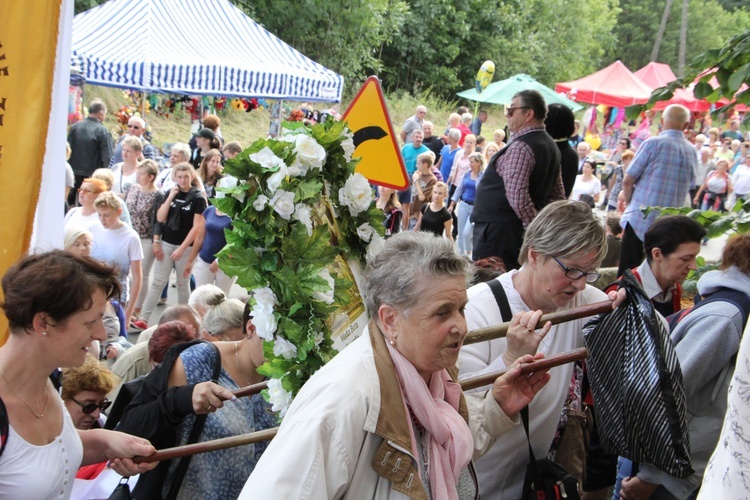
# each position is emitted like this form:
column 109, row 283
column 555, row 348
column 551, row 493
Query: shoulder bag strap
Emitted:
column 501, row 298
column 195, row 432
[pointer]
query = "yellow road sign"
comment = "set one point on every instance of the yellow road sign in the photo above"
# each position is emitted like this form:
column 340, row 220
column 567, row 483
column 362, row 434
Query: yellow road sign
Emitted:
column 374, row 140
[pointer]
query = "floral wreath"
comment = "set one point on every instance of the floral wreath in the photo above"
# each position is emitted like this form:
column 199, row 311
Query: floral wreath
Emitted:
column 282, row 247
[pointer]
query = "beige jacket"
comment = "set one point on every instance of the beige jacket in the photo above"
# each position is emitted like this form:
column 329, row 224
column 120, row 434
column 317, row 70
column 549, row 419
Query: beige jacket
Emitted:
column 346, row 435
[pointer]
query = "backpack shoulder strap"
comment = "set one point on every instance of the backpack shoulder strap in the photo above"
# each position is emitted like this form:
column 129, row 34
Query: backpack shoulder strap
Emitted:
column 501, row 298
column 4, row 427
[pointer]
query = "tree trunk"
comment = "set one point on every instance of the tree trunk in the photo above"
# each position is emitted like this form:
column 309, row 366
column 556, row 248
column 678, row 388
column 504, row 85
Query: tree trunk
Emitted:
column 683, row 39
column 662, row 29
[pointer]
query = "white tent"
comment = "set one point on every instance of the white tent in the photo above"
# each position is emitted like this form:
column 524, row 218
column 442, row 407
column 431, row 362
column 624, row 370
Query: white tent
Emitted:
column 196, row 47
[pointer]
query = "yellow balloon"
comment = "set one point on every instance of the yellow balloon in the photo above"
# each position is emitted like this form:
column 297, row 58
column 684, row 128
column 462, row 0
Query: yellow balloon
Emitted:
column 484, row 75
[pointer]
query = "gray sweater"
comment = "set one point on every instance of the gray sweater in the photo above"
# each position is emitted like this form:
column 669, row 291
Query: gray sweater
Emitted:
column 706, row 342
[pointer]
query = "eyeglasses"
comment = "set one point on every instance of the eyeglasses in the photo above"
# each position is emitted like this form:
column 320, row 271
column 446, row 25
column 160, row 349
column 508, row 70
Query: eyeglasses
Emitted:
column 89, row 408
column 134, row 126
column 510, row 110
column 86, row 191
column 576, row 274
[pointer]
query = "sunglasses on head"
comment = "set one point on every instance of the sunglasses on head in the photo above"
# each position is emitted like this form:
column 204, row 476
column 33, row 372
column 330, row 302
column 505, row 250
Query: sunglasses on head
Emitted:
column 89, row 408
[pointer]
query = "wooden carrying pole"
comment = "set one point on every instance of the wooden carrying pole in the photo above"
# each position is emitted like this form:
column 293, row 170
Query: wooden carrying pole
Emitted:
column 268, row 434
column 501, row 330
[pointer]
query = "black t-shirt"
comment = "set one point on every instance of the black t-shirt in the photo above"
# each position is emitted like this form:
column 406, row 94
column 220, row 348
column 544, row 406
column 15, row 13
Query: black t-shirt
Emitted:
column 434, row 144
column 434, row 222
column 184, row 211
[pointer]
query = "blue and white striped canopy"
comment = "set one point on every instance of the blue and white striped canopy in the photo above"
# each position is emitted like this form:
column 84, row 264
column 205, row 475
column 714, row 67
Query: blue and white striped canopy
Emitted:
column 196, row 47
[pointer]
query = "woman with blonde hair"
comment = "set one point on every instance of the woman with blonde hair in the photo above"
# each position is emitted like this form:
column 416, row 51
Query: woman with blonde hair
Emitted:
column 464, row 198
column 223, row 320
column 434, row 217
column 143, row 199
column 180, row 216
column 106, row 175
column 125, row 172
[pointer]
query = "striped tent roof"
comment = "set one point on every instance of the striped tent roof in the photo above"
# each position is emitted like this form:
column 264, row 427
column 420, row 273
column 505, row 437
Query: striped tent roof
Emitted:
column 197, row 47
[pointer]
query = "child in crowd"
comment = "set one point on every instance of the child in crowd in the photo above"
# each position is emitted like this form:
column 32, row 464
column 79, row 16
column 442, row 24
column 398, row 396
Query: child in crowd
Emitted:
column 120, row 245
column 422, row 184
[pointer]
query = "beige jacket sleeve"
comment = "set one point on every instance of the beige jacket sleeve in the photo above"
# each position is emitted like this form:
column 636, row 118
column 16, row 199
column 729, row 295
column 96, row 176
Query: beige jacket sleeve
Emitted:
column 487, row 421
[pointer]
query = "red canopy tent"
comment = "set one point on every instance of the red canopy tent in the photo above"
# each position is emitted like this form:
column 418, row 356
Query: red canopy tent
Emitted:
column 614, row 85
column 686, row 98
column 656, row 74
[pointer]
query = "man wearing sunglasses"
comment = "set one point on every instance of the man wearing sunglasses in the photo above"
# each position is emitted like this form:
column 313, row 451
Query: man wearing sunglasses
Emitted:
column 524, row 178
column 136, row 128
column 84, row 392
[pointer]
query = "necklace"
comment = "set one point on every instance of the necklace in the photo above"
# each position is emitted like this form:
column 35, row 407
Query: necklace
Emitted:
column 237, row 361
column 46, row 398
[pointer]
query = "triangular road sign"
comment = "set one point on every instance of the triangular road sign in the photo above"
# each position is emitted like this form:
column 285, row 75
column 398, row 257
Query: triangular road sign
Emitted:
column 374, row 140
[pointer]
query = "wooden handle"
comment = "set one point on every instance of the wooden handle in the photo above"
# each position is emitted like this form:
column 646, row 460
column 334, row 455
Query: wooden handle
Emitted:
column 206, row 446
column 501, row 330
column 468, row 384
column 268, row 434
column 250, row 389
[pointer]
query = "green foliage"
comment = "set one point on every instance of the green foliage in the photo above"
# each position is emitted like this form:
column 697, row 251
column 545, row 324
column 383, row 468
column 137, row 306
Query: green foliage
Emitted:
column 709, row 25
column 285, row 253
column 732, row 69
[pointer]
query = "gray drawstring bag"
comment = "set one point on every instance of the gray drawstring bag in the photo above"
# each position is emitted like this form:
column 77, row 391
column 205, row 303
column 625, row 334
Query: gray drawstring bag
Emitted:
column 636, row 382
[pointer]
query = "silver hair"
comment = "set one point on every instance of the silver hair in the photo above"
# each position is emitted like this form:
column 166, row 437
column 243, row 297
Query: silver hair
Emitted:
column 408, row 264
column 454, row 134
column 565, row 229
column 466, row 118
column 676, row 114
column 223, row 316
column 206, row 296
column 183, row 149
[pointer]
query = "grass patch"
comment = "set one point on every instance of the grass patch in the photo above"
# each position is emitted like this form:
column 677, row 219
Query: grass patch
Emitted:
column 248, row 127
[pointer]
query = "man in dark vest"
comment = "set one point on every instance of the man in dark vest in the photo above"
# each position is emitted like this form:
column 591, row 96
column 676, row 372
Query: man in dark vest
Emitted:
column 519, row 181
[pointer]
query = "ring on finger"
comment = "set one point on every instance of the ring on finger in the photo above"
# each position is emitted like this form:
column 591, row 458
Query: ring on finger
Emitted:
column 210, row 406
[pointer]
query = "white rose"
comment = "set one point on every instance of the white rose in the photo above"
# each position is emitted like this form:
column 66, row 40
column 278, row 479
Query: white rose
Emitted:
column 356, row 194
column 287, row 136
column 348, row 147
column 294, row 170
column 309, row 152
column 319, row 338
column 365, row 232
column 266, row 158
column 327, row 296
column 302, row 214
column 265, row 298
column 279, row 397
column 284, row 348
column 260, row 202
column 283, row 203
column 376, row 245
column 230, row 181
column 274, row 181
column 265, row 323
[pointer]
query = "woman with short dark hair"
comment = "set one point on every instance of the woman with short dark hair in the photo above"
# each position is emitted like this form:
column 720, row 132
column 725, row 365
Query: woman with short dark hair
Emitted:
column 54, row 303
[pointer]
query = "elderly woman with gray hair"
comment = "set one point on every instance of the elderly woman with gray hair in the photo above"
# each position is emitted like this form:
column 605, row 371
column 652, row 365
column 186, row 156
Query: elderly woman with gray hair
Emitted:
column 385, row 417
column 180, row 153
column 561, row 252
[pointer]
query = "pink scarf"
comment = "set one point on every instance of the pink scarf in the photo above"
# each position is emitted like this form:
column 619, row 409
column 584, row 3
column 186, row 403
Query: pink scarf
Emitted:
column 436, row 408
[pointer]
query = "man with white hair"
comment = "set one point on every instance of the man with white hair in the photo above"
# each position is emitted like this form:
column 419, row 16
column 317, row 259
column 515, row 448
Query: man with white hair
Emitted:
column 583, row 149
column 413, row 123
column 136, row 128
column 659, row 176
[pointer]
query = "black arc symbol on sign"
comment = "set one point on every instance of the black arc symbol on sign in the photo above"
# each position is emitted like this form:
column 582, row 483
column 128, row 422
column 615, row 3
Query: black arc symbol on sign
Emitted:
column 368, row 133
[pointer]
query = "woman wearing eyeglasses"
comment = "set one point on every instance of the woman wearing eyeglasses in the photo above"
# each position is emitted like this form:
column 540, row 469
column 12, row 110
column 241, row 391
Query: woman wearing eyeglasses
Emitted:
column 561, row 252
column 84, row 393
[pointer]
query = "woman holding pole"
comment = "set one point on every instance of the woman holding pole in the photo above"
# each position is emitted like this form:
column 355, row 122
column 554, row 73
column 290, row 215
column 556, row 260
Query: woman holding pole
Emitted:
column 54, row 303
column 386, row 417
column 562, row 250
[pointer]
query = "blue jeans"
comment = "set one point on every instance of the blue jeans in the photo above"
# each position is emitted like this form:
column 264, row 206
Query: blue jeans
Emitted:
column 465, row 228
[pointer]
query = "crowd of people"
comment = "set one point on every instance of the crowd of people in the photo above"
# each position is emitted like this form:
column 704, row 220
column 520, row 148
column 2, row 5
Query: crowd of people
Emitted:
column 387, row 416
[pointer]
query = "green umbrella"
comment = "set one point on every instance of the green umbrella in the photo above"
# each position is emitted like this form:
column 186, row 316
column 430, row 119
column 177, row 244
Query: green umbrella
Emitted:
column 503, row 91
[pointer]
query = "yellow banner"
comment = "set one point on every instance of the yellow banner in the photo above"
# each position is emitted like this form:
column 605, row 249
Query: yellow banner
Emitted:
column 28, row 44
